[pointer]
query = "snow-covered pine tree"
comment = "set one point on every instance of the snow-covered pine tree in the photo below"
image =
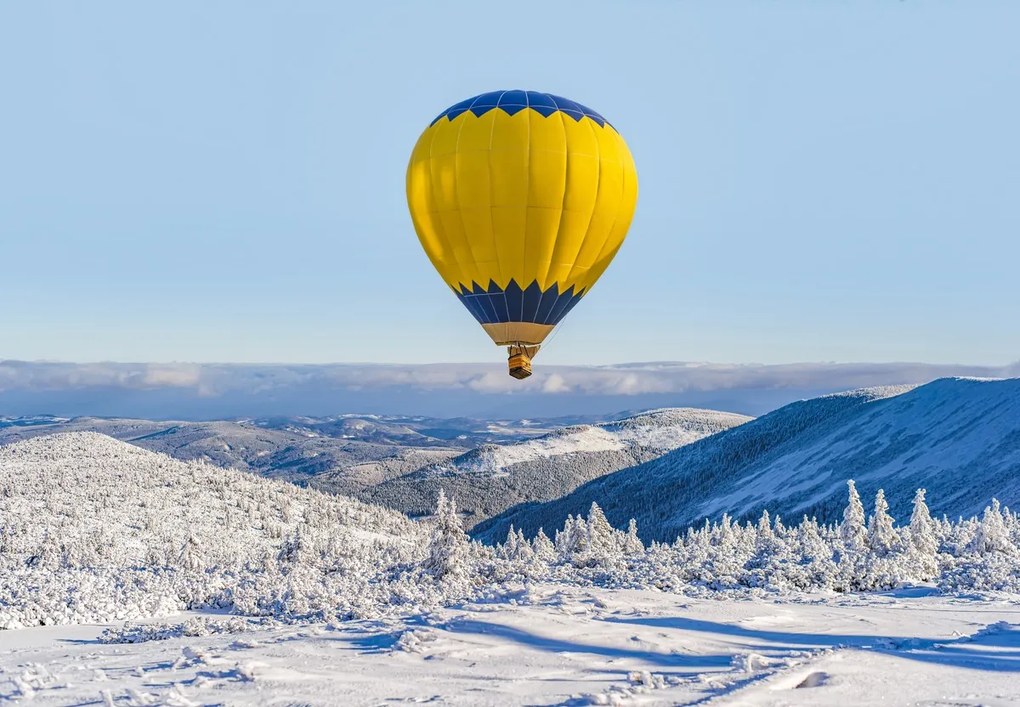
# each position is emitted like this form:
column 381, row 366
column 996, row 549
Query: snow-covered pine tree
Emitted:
column 691, row 552
column 293, row 549
column 509, row 547
column 603, row 548
column 992, row 534
column 524, row 551
column 191, row 554
column 764, row 529
column 852, row 548
column 729, row 552
column 1012, row 521
column 770, row 558
column 814, row 567
column 6, row 540
column 632, row 545
column 564, row 538
column 923, row 544
column 882, row 566
column 572, row 541
column 882, row 536
column 516, row 550
column 448, row 548
column 543, row 547
column 852, row 530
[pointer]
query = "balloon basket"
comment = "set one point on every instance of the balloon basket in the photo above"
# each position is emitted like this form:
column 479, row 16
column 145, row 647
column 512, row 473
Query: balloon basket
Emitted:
column 520, row 365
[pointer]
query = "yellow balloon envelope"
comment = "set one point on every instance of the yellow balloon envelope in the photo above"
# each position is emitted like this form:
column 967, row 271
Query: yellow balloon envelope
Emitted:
column 521, row 199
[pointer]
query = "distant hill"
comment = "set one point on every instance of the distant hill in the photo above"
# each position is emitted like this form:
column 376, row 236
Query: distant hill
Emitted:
column 378, row 458
column 959, row 438
column 488, row 480
column 79, row 484
column 341, row 454
column 287, row 451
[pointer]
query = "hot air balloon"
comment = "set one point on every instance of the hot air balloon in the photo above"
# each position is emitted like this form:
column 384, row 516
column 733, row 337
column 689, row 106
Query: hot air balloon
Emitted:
column 520, row 200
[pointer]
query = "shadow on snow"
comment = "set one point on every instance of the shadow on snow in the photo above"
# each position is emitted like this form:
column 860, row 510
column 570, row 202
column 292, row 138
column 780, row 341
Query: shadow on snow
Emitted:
column 995, row 648
column 557, row 645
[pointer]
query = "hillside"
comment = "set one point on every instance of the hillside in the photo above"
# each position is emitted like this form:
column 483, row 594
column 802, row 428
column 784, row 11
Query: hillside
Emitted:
column 959, row 438
column 490, row 479
column 348, row 453
column 340, row 454
column 91, row 527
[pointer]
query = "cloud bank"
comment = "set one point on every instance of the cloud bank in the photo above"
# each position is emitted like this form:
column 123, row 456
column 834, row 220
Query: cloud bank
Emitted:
column 209, row 391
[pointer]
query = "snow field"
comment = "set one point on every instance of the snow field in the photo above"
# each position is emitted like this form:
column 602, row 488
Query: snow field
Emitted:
column 556, row 645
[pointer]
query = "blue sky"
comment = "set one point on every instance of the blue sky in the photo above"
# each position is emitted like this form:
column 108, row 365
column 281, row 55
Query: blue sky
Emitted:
column 224, row 181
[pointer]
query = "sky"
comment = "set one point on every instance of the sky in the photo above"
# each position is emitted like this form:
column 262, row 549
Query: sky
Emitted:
column 223, row 182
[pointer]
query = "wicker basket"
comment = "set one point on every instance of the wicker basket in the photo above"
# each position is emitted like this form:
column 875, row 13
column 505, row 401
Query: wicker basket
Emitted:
column 520, row 365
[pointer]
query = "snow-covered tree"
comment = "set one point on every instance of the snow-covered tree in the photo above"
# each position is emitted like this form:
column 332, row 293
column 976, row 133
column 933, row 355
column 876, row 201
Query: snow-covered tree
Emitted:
column 852, row 528
column 520, row 549
column 882, row 536
column 922, row 551
column 992, row 534
column 603, row 547
column 572, row 540
column 922, row 527
column 543, row 547
column 509, row 547
column 632, row 544
column 293, row 548
column 448, row 548
column 851, row 553
column 765, row 527
column 815, row 567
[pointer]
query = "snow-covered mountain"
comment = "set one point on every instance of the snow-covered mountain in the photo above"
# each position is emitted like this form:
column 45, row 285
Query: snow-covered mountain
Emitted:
column 959, row 438
column 91, row 527
column 83, row 483
column 341, row 453
column 491, row 478
column 347, row 454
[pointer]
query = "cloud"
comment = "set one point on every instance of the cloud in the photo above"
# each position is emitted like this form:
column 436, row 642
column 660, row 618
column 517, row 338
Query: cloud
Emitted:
column 211, row 390
column 24, row 375
column 174, row 376
column 624, row 379
column 555, row 384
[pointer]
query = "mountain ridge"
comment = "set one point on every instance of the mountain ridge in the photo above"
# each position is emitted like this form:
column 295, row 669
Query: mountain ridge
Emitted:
column 489, row 479
column 797, row 459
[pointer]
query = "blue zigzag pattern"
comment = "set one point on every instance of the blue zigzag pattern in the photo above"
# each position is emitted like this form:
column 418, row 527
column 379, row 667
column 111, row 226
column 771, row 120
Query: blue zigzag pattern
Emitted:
column 512, row 102
column 494, row 305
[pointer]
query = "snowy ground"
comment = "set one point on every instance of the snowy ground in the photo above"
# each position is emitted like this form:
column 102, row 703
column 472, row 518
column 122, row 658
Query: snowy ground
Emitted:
column 559, row 645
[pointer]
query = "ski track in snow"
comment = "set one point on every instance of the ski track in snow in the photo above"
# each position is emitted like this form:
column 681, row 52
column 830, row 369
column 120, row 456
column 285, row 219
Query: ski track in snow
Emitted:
column 558, row 645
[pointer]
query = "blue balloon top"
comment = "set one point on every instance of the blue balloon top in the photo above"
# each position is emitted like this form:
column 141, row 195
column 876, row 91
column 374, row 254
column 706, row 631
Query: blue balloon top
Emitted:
column 515, row 101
